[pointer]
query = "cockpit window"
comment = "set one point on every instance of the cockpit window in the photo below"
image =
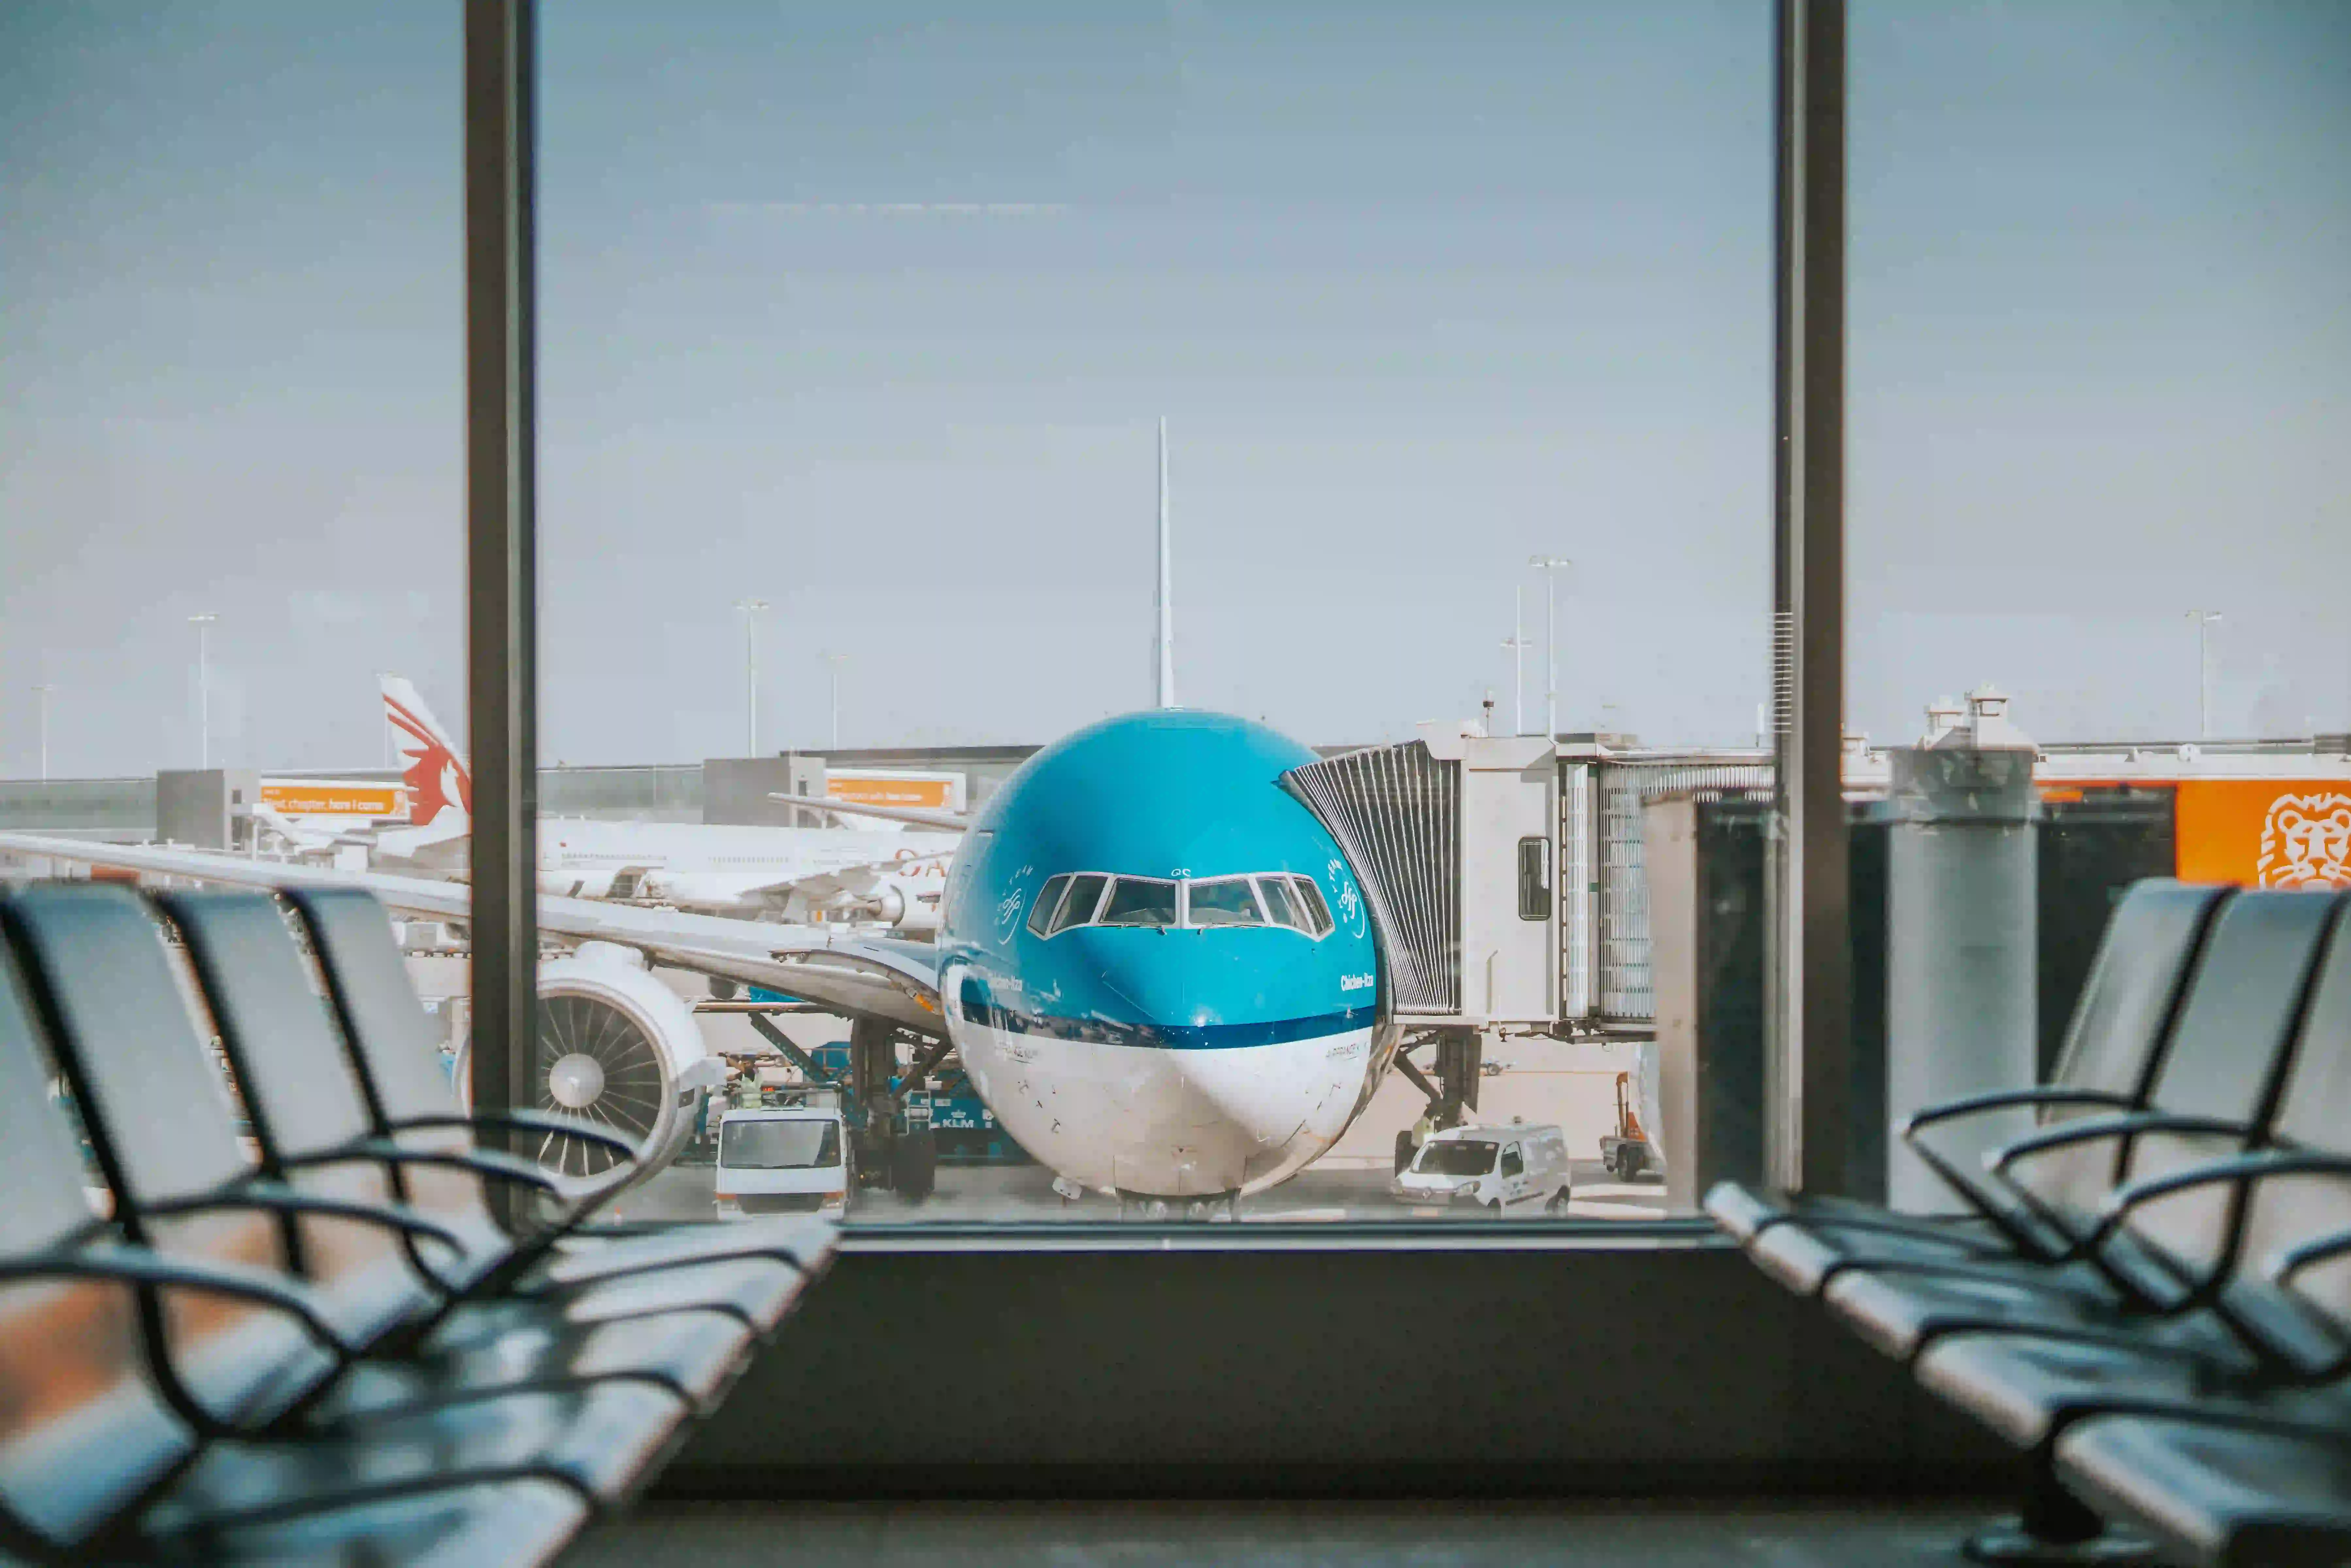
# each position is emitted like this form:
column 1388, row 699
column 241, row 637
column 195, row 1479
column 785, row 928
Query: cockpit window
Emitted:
column 1310, row 899
column 1140, row 901
column 1078, row 908
column 1048, row 899
column 1273, row 892
column 1225, row 901
column 1096, row 898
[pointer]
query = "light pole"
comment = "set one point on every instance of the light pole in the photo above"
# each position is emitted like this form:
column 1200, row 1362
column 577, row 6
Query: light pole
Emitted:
column 1517, row 645
column 45, row 691
column 2204, row 620
column 833, row 668
column 750, row 609
column 202, row 623
column 1550, row 566
column 384, row 718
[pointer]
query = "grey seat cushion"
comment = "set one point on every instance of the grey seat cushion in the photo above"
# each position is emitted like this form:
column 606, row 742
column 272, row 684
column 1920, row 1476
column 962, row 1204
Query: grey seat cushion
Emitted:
column 1804, row 1255
column 599, row 1441
column 695, row 1354
column 515, row 1524
column 2212, row 1495
column 586, row 1255
column 2023, row 1387
column 1898, row 1310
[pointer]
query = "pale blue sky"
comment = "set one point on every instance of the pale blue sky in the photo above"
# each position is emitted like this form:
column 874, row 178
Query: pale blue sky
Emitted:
column 871, row 316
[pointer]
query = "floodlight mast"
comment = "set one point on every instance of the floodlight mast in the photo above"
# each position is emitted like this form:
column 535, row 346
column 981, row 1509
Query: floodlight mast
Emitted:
column 1517, row 645
column 202, row 623
column 2204, row 620
column 1550, row 566
column 750, row 609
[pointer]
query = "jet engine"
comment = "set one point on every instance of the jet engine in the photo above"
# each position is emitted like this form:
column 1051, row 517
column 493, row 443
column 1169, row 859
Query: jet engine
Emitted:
column 616, row 1048
column 907, row 913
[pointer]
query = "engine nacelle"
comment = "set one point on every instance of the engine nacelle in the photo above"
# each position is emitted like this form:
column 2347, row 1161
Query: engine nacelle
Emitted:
column 617, row 1048
column 907, row 908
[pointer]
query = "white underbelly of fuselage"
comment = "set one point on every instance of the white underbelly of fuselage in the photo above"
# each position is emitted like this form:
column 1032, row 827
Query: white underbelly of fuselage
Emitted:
column 1168, row 1123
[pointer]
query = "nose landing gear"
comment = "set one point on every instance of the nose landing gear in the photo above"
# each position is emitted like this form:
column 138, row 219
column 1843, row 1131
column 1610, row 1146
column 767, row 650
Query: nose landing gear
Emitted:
column 1154, row 1207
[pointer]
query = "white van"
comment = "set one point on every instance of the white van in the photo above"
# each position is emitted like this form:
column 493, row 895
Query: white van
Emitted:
column 1497, row 1169
column 783, row 1160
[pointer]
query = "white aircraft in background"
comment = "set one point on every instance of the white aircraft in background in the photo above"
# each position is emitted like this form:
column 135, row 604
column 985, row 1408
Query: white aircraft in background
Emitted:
column 886, row 876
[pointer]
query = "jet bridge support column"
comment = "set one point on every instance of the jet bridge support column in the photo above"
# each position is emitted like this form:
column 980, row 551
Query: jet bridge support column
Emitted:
column 1460, row 1055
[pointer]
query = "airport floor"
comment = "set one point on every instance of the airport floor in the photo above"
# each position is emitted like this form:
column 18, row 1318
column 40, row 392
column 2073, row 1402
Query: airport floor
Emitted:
column 1662, row 1534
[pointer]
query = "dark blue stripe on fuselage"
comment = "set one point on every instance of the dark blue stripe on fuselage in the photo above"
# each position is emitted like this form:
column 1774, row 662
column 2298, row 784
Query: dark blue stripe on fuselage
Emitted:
column 1170, row 1036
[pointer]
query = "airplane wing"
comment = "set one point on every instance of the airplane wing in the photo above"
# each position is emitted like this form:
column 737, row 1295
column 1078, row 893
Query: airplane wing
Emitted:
column 920, row 816
column 861, row 881
column 861, row 976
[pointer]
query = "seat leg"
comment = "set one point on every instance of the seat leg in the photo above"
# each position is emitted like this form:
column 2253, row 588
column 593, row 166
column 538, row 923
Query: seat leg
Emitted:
column 2055, row 1529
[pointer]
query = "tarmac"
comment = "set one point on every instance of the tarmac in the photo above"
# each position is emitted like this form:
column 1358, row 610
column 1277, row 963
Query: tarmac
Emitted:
column 1024, row 1194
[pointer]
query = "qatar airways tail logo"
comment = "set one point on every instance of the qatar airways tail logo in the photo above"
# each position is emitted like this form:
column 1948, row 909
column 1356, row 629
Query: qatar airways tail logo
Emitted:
column 436, row 780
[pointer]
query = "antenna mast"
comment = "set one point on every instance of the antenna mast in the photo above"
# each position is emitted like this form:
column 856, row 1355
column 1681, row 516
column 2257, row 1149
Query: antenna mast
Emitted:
column 1167, row 639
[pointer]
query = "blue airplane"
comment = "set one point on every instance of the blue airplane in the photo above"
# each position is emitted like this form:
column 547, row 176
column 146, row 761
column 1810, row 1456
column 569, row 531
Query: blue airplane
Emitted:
column 1156, row 964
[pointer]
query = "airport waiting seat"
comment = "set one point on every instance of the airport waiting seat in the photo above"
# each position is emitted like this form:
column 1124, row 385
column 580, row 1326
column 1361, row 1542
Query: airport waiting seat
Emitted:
column 2181, row 1368
column 412, row 1106
column 100, row 1462
column 2272, row 1315
column 92, row 962
column 2114, row 1047
column 2215, row 1088
column 310, row 1120
column 2231, row 1445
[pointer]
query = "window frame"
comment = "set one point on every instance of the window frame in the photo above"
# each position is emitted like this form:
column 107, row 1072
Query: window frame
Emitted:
column 1282, row 879
column 1061, row 911
column 1041, row 914
column 1110, row 890
column 501, row 86
column 1318, row 908
column 1184, row 920
column 1537, row 896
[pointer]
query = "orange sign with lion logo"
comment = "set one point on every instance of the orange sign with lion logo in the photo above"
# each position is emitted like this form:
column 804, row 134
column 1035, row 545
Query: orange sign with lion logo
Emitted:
column 2264, row 832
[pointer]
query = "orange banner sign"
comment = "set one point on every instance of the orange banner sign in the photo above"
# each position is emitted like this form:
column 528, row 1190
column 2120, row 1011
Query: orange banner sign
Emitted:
column 2265, row 833
column 297, row 799
column 859, row 789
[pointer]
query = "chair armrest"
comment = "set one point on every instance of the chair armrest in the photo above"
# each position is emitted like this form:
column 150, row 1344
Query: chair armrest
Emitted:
column 2010, row 1226
column 2105, row 1128
column 138, row 1266
column 287, row 1201
column 2291, row 1261
column 495, row 1165
column 2236, row 1171
column 523, row 1120
column 2010, row 1099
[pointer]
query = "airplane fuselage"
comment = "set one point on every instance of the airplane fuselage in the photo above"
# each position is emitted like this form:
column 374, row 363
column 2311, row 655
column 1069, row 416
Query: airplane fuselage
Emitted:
column 1199, row 1007
column 704, row 866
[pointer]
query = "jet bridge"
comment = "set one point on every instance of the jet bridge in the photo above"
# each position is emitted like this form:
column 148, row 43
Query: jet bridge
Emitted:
column 1508, row 879
column 1508, row 872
